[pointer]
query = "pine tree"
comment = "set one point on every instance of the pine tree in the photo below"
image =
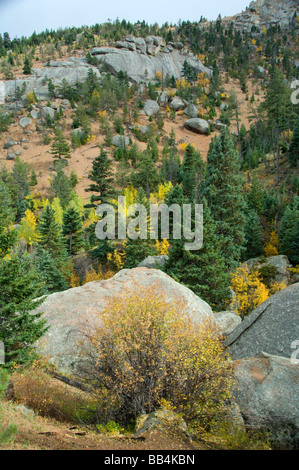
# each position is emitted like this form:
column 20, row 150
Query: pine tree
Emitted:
column 49, row 235
column 101, row 177
column 52, row 277
column 8, row 235
column 203, row 271
column 287, row 229
column 33, row 179
column 60, row 148
column 27, row 67
column 146, row 175
column 19, row 328
column 253, row 236
column 62, row 187
column 223, row 190
column 72, row 230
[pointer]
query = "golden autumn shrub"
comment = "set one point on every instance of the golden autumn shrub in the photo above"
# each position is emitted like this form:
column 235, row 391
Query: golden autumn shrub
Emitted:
column 249, row 290
column 148, row 350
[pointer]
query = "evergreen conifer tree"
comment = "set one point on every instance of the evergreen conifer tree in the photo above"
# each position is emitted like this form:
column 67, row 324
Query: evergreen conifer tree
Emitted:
column 223, row 190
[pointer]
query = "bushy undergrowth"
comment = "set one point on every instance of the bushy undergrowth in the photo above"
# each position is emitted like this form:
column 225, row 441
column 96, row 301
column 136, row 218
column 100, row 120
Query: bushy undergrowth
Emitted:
column 148, row 349
column 39, row 391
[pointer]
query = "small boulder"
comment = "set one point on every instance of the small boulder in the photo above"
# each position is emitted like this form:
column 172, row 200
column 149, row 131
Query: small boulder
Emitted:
column 151, row 107
column 121, row 141
column 177, row 103
column 191, row 110
column 25, row 122
column 153, row 262
column 198, row 125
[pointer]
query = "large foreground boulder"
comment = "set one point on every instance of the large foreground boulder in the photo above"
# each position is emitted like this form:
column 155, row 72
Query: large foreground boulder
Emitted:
column 272, row 327
column 71, row 312
column 267, row 392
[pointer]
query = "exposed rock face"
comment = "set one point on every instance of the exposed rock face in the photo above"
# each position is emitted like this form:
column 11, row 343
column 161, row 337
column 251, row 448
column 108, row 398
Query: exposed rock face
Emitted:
column 73, row 70
column 266, row 13
column 227, row 321
column 272, row 327
column 141, row 66
column 267, row 392
column 279, row 262
column 68, row 313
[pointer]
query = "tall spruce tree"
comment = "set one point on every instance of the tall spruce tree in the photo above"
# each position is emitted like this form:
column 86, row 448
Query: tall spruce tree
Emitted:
column 223, row 190
column 203, row 271
column 19, row 329
column 72, row 230
column 102, row 179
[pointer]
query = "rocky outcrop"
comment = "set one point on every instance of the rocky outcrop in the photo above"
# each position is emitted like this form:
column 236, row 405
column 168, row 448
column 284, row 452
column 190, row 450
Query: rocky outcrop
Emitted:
column 265, row 13
column 272, row 327
column 73, row 70
column 143, row 65
column 278, row 264
column 70, row 312
column 267, row 392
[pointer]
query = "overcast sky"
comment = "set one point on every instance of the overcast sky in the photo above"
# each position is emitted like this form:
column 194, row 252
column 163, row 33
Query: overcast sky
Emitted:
column 23, row 17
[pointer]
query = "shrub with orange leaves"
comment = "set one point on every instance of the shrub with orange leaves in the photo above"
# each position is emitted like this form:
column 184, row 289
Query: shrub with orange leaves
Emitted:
column 147, row 350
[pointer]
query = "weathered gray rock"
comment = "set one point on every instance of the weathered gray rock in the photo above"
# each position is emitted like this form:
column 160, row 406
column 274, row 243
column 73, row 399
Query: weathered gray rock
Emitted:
column 25, row 122
column 198, row 125
column 272, row 327
column 10, row 143
column 34, row 114
column 47, row 113
column 121, row 141
column 140, row 66
column 177, row 103
column 223, row 106
column 227, row 321
column 265, row 13
column 73, row 70
column 267, row 392
column 161, row 421
column 163, row 98
column 191, row 110
column 279, row 262
column 153, row 262
column 151, row 107
column 70, row 312
column 78, row 132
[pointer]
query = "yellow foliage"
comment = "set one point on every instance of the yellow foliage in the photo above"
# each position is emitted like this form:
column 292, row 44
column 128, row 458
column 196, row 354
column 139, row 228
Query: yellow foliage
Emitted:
column 271, row 248
column 118, row 257
column 162, row 247
column 250, row 291
column 28, row 228
column 148, row 353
